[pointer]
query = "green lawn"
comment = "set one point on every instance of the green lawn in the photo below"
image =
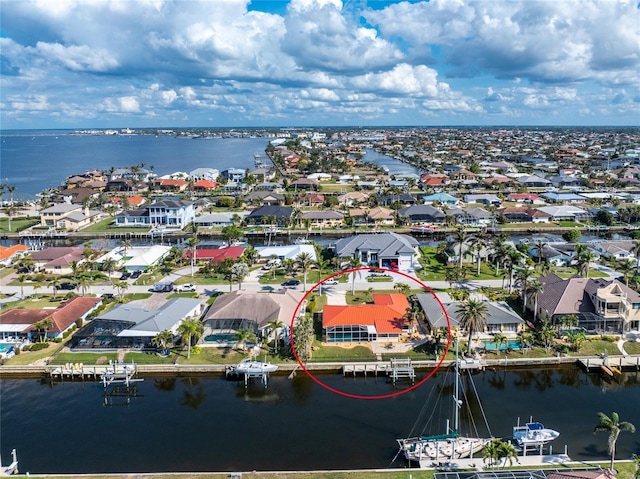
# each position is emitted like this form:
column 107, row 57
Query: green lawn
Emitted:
column 28, row 357
column 85, row 358
column 104, row 226
column 595, row 347
column 147, row 358
column 326, row 354
column 17, row 224
column 632, row 347
column 569, row 272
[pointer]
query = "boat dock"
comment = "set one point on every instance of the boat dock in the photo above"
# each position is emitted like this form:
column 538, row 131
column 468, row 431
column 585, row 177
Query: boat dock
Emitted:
column 112, row 373
column 614, row 364
column 395, row 369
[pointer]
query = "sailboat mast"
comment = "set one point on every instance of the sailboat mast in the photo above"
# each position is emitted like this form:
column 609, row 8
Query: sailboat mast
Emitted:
column 456, row 417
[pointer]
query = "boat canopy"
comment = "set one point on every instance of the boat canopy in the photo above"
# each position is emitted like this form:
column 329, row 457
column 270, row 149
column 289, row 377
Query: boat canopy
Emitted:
column 440, row 437
column 535, row 426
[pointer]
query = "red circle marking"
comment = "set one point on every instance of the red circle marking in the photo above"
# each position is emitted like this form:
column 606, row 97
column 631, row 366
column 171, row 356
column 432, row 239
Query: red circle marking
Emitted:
column 357, row 396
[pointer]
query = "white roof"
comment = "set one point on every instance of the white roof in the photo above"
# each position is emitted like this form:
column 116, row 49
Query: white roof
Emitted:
column 287, row 252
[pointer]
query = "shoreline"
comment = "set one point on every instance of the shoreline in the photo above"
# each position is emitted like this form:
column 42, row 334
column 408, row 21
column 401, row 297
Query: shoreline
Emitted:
column 586, row 363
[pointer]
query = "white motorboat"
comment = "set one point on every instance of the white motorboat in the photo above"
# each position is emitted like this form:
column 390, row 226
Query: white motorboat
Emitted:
column 252, row 367
column 533, row 434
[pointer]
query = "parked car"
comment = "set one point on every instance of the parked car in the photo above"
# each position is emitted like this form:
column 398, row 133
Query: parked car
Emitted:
column 162, row 288
column 67, row 286
column 185, row 288
column 125, row 275
column 290, row 282
column 330, row 282
column 136, row 274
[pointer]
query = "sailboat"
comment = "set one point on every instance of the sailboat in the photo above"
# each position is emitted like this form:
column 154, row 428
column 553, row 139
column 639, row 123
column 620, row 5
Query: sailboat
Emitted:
column 450, row 445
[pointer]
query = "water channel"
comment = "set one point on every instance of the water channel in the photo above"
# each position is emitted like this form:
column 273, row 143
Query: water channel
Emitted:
column 211, row 424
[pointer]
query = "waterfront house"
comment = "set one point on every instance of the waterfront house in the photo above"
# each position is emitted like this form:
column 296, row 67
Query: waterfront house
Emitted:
column 387, row 250
column 70, row 217
column 286, row 252
column 215, row 255
column 207, row 174
column 437, row 307
column 58, row 259
column 18, row 324
column 422, row 214
column 136, row 258
column 213, row 220
column 265, row 214
column 233, row 175
column 381, row 321
column 326, row 218
column 168, row 213
column 303, row 184
column 263, row 197
column 249, row 310
column 10, row 253
column 599, row 305
column 352, row 198
column 133, row 325
column 485, row 199
column 443, row 198
column 566, row 213
column 401, row 198
column 204, row 186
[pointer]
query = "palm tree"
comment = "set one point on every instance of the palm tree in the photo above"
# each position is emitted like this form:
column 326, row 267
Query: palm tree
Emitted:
column 304, row 260
column 243, row 336
column 109, row 265
column 239, row 271
column 21, row 279
column 473, row 317
column 626, row 268
column 546, row 332
column 162, row 340
column 499, row 340
column 54, row 283
column 303, row 334
column 523, row 277
column 460, row 237
column 585, row 257
column 478, row 242
column 514, row 260
column 497, row 450
column 539, row 247
column 635, row 249
column 403, row 288
column 125, row 245
column 534, row 289
column 121, row 286
column 192, row 242
column 353, row 264
column 273, row 326
column 190, row 329
column 43, row 326
column 614, row 427
column 576, row 338
column 83, row 284
column 412, row 315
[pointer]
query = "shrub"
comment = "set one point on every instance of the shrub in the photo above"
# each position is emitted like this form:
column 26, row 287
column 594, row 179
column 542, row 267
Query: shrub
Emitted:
column 38, row 346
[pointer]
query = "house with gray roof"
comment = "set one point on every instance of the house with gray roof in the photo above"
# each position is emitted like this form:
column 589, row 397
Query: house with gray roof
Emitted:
column 386, row 250
column 133, row 325
column 422, row 214
column 598, row 304
column 500, row 317
column 244, row 309
column 168, row 212
column 323, row 218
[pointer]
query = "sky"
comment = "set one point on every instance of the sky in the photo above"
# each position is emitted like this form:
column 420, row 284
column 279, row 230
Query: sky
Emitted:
column 272, row 63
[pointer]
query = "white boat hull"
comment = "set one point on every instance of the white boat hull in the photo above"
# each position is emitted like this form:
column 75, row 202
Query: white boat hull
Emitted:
column 533, row 434
column 419, row 449
column 255, row 367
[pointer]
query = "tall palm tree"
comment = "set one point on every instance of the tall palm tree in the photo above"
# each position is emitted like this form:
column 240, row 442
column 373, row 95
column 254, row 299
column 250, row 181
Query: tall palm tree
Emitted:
column 539, row 247
column 523, row 277
column 43, row 326
column 353, row 264
column 403, row 288
column 304, row 261
column 626, row 268
column 478, row 242
column 412, row 315
column 239, row 271
column 273, row 326
column 459, row 238
column 614, row 427
column 473, row 317
column 54, row 283
column 109, row 266
column 190, row 329
column 192, row 242
column 635, row 249
column 514, row 260
column 534, row 289
column 499, row 340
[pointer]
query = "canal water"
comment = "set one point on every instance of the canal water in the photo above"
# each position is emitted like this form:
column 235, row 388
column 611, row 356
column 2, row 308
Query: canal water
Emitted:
column 211, row 424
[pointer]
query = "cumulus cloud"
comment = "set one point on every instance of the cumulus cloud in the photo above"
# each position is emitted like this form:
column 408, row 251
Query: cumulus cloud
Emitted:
column 318, row 61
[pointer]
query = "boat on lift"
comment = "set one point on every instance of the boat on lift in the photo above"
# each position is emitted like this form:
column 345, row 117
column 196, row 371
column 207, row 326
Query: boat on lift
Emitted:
column 533, row 434
column 252, row 367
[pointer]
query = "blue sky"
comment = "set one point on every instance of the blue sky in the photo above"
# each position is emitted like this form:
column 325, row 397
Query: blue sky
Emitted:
column 217, row 63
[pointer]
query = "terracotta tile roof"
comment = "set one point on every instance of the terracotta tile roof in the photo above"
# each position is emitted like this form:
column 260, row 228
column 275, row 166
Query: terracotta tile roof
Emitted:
column 7, row 252
column 69, row 312
column 217, row 254
column 385, row 314
column 205, row 184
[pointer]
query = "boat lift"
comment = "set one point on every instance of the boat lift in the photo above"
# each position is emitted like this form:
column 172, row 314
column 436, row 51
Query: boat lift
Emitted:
column 120, row 373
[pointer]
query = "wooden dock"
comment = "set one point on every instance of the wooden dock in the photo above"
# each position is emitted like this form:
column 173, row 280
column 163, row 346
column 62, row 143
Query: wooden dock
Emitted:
column 366, row 368
column 621, row 363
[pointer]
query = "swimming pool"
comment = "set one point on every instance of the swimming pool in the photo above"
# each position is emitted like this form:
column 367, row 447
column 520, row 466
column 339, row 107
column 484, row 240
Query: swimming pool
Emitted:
column 221, row 338
column 4, row 347
column 510, row 344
